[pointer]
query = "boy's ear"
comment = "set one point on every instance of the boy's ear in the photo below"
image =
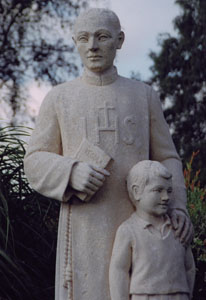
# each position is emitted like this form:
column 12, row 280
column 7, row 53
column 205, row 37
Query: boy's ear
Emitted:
column 135, row 191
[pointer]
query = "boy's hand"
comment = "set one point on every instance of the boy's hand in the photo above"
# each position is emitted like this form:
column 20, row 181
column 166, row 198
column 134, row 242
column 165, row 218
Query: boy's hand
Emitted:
column 87, row 178
column 182, row 226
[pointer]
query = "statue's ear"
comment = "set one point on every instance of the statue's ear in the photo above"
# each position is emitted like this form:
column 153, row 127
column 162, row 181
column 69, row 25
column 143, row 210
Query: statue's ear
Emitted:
column 135, row 191
column 120, row 40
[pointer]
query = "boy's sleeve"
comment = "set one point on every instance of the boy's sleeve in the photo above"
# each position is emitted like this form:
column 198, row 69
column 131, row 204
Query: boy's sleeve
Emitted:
column 120, row 265
column 190, row 269
column 162, row 149
column 47, row 170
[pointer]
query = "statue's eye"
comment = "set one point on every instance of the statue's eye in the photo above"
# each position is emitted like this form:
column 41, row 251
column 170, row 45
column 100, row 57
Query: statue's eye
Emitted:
column 158, row 190
column 169, row 191
column 82, row 38
column 103, row 37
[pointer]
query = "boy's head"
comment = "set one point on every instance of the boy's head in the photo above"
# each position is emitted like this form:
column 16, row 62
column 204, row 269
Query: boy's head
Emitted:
column 149, row 186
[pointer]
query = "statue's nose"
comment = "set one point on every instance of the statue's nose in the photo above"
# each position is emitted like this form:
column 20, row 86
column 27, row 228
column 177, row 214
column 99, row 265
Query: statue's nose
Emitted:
column 165, row 196
column 93, row 44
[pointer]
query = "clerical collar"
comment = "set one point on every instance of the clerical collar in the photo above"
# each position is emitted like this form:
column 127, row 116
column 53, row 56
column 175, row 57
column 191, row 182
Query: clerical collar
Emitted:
column 105, row 78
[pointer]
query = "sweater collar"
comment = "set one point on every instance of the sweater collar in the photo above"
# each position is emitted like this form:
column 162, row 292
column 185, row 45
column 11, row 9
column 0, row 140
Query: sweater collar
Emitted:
column 105, row 78
column 145, row 224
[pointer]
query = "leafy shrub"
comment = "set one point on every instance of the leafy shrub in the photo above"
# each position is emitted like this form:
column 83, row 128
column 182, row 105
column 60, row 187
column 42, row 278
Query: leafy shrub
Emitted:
column 197, row 210
column 28, row 227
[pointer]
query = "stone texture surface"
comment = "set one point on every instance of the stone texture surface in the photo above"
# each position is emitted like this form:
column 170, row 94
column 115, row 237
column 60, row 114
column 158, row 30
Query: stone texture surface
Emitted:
column 147, row 259
column 88, row 152
column 121, row 116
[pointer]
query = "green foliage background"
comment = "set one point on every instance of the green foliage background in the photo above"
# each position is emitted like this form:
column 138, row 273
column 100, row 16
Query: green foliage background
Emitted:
column 28, row 227
column 179, row 73
column 197, row 210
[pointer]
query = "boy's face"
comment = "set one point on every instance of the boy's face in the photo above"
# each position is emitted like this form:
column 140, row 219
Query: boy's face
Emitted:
column 156, row 196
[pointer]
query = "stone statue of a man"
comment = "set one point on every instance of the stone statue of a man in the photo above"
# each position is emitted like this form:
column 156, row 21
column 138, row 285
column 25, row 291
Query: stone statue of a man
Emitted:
column 122, row 117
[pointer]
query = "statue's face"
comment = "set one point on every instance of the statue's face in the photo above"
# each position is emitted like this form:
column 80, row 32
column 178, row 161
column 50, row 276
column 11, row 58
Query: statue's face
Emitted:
column 97, row 41
column 156, row 196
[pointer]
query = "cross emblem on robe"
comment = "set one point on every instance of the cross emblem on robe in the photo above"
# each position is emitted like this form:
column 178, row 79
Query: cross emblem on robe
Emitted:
column 109, row 124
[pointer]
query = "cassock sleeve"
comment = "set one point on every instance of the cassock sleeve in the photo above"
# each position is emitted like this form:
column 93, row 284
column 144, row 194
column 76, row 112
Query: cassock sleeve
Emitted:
column 47, row 170
column 162, row 149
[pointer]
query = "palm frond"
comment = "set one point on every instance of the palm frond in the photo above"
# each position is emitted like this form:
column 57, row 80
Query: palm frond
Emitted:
column 28, row 226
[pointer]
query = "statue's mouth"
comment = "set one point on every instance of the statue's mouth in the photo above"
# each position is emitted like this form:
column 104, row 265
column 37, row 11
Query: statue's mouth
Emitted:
column 163, row 205
column 94, row 56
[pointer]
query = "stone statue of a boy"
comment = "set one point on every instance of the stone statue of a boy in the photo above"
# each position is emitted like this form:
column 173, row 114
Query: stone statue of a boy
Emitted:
column 148, row 262
column 124, row 118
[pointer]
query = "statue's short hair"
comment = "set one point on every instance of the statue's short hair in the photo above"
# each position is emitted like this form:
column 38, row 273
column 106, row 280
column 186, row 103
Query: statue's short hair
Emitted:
column 112, row 17
column 142, row 172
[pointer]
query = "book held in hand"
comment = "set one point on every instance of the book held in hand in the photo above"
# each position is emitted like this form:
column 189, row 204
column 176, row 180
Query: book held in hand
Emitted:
column 87, row 152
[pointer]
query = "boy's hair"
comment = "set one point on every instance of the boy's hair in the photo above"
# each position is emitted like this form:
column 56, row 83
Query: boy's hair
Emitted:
column 141, row 173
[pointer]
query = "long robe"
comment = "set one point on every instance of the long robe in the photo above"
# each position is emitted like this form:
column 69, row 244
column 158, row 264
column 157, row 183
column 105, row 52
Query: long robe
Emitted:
column 124, row 118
